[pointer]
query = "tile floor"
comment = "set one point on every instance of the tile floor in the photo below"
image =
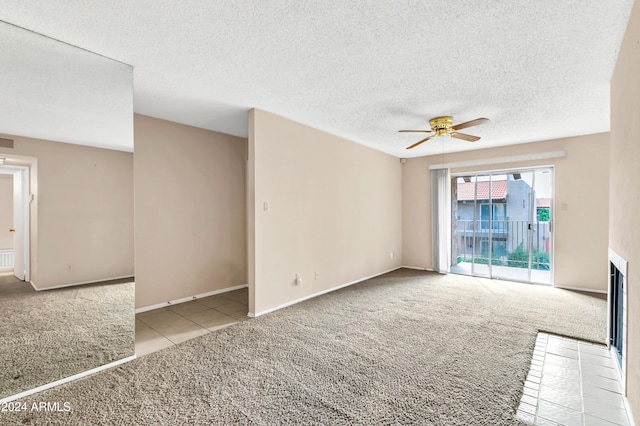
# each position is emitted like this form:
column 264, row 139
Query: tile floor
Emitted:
column 572, row 382
column 175, row 324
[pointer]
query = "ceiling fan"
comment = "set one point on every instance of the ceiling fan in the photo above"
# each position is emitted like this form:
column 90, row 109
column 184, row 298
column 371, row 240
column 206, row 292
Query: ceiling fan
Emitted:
column 444, row 126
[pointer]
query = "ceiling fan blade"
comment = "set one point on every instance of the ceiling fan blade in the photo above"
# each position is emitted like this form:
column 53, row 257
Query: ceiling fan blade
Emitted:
column 419, row 142
column 471, row 123
column 419, row 131
column 465, row 137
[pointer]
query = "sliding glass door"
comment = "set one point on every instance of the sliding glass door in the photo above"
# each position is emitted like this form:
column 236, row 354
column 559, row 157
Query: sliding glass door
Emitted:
column 501, row 225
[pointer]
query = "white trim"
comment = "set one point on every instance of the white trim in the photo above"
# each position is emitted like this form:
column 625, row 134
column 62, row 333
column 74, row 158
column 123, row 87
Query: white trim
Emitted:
column 189, row 298
column 629, row 412
column 500, row 160
column 66, row 379
column 588, row 290
column 618, row 261
column 621, row 264
column 311, row 296
column 418, row 268
column 24, row 175
column 81, row 283
column 614, row 357
column 622, row 378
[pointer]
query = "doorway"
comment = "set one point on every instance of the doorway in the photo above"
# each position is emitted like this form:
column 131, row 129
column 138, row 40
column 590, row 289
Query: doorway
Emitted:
column 16, row 256
column 501, row 224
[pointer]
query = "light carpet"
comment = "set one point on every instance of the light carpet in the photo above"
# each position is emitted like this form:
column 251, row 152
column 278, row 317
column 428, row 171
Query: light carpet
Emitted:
column 408, row 347
column 53, row 334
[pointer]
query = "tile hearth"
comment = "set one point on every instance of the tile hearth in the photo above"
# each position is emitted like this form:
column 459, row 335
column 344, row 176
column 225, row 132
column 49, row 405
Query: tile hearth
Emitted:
column 572, row 382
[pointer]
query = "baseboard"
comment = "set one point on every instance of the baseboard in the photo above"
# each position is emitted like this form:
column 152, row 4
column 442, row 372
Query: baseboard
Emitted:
column 588, row 290
column 66, row 379
column 189, row 298
column 418, row 268
column 80, row 283
column 302, row 299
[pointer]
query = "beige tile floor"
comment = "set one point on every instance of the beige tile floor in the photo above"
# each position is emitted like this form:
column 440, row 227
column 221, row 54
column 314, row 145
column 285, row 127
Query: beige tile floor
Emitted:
column 175, row 324
column 572, row 382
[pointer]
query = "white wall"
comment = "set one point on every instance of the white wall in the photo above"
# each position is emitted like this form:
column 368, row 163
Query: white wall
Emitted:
column 334, row 208
column 581, row 201
column 190, row 226
column 624, row 225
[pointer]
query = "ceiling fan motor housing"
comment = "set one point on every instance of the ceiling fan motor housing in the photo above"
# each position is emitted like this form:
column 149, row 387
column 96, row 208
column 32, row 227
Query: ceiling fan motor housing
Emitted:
column 441, row 125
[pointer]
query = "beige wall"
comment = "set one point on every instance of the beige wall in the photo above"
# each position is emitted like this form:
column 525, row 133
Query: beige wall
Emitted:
column 82, row 213
column 624, row 225
column 334, row 209
column 581, row 205
column 6, row 211
column 190, row 227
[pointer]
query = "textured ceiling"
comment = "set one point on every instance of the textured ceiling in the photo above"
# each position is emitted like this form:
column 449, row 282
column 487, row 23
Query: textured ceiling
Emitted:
column 360, row 69
column 52, row 90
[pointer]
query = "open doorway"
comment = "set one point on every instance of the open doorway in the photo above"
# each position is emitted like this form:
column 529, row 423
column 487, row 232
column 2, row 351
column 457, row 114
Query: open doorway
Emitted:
column 15, row 221
column 502, row 224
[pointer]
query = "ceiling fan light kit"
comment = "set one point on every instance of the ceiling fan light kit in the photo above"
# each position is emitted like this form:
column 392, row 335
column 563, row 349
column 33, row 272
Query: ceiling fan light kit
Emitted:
column 443, row 126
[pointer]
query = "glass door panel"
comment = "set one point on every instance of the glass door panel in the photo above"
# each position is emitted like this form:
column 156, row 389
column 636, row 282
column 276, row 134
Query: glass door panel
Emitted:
column 512, row 191
column 541, row 228
column 480, row 266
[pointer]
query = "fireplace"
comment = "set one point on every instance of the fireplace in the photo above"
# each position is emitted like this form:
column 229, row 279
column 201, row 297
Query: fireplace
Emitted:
column 617, row 313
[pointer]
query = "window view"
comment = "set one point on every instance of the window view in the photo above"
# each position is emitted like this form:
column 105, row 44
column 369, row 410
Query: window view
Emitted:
column 501, row 225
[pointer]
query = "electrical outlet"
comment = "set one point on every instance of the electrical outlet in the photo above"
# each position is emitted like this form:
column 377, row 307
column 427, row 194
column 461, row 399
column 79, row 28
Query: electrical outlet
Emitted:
column 298, row 279
column 317, row 275
column 69, row 267
column 391, row 255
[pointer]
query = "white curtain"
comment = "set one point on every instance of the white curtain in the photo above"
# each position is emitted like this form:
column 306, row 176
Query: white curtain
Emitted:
column 441, row 219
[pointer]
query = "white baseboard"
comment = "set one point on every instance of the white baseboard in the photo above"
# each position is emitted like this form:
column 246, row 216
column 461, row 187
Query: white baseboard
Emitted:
column 189, row 298
column 80, row 283
column 418, row 268
column 311, row 296
column 588, row 290
column 66, row 379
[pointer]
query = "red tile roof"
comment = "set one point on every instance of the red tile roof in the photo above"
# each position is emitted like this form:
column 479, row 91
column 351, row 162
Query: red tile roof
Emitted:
column 543, row 202
column 498, row 190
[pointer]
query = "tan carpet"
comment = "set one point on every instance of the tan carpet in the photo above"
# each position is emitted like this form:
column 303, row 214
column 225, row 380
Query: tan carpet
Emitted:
column 405, row 348
column 49, row 335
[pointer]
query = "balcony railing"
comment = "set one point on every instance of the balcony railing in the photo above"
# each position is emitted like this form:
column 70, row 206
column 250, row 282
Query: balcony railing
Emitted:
column 509, row 242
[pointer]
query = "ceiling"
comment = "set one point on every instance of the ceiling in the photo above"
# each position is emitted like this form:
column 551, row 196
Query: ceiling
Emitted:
column 51, row 90
column 361, row 69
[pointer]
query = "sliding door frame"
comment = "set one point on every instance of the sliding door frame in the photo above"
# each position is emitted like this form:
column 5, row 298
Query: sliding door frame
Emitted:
column 532, row 217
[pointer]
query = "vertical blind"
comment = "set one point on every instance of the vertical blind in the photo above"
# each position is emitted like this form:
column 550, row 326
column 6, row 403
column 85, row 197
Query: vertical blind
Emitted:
column 441, row 219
